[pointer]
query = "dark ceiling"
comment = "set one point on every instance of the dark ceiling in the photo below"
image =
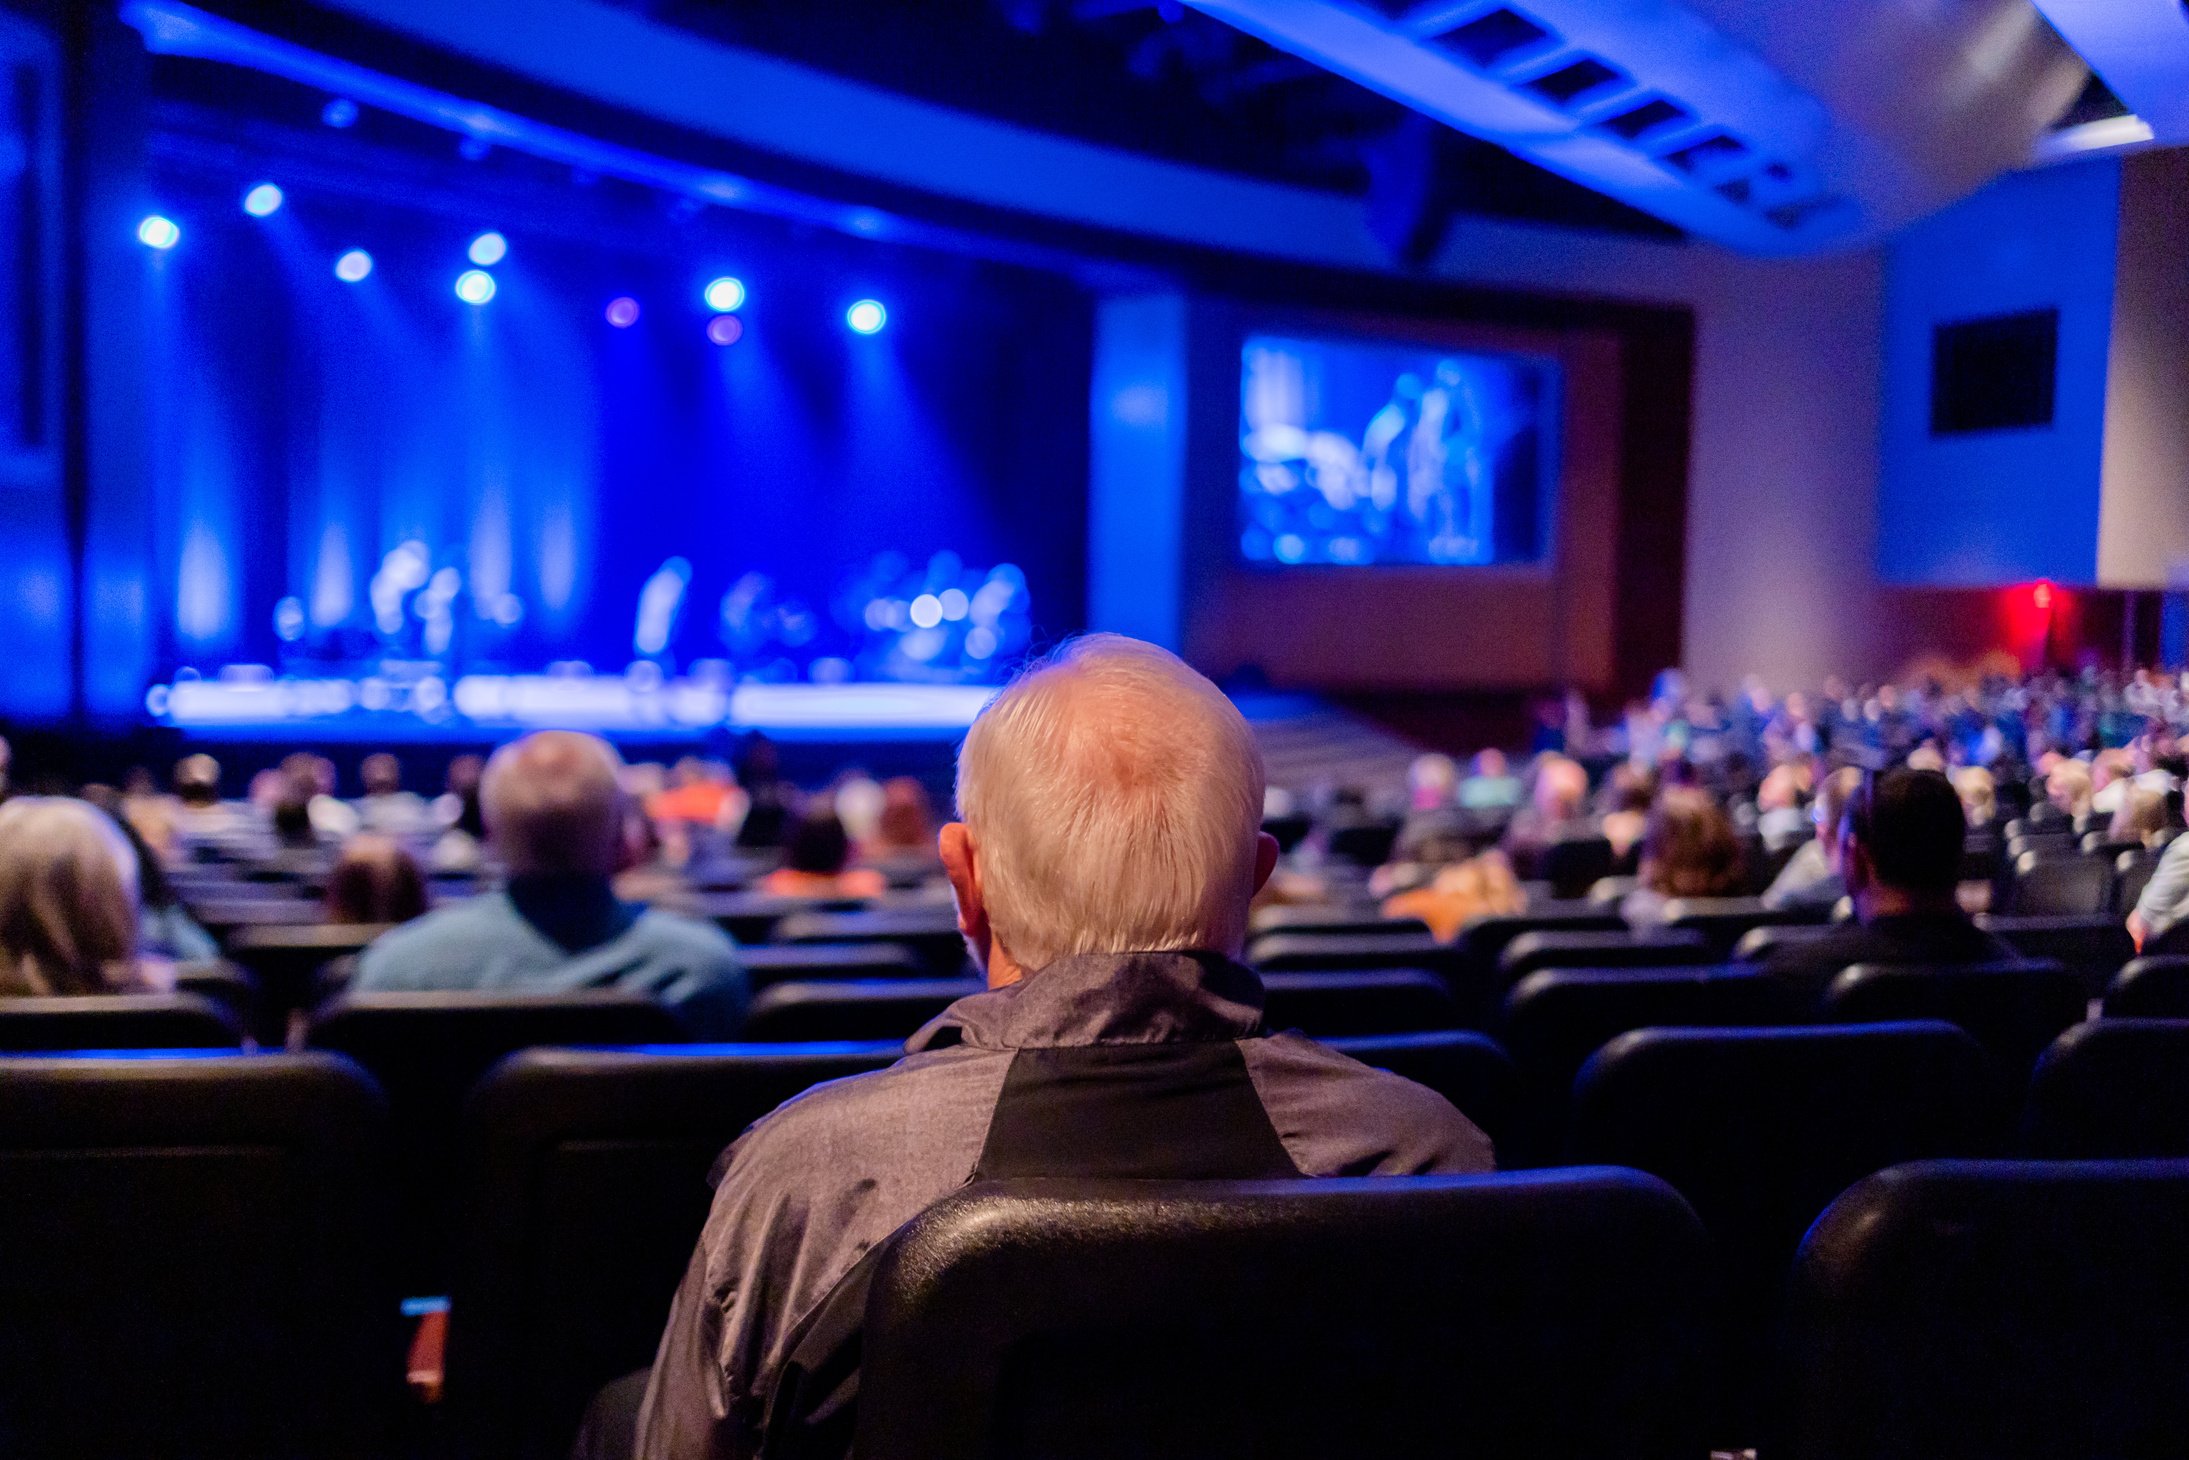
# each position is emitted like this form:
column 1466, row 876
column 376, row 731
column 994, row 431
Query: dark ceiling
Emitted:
column 1155, row 77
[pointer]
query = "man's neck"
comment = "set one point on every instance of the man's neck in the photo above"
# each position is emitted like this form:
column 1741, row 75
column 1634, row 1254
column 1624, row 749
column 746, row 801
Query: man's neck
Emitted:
column 1898, row 902
column 576, row 910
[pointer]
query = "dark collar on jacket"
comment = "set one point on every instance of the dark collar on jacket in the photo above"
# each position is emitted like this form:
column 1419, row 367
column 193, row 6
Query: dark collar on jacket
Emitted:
column 1107, row 998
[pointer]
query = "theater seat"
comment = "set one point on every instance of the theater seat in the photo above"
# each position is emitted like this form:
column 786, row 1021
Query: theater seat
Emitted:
column 2013, row 1009
column 1483, row 941
column 586, row 1185
column 117, row 1021
column 1994, row 1311
column 930, row 932
column 1759, row 1129
column 428, row 1049
column 1572, row 865
column 783, row 962
column 2059, row 886
column 1618, row 949
column 752, row 917
column 2095, row 945
column 1554, row 1019
column 1347, row 919
column 851, row 1008
column 285, row 962
column 1372, row 1001
column 2131, row 875
column 2150, row 988
column 1724, row 921
column 2112, row 1088
column 1541, row 1314
column 1470, row 1070
column 191, row 1259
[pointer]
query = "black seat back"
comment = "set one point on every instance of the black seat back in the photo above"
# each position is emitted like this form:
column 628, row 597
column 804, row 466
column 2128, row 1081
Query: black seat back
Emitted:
column 428, row 1049
column 192, row 1258
column 2112, row 1088
column 1757, row 945
column 931, row 932
column 2013, row 1009
column 2095, row 945
column 1369, row 1001
column 1572, row 865
column 2131, row 875
column 1724, row 921
column 851, row 1008
column 1760, row 1128
column 2059, row 886
column 1471, row 1070
column 1659, row 948
column 117, row 1021
column 1365, row 843
column 783, row 962
column 285, row 963
column 586, row 1186
column 1556, row 1018
column 1995, row 1311
column 1346, row 918
column 2150, row 988
column 1544, row 1314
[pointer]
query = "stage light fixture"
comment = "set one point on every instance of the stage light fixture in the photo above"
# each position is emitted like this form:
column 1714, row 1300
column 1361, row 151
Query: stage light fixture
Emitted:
column 157, row 232
column 725, row 294
column 926, row 611
column 262, row 201
column 623, row 312
column 353, row 267
column 487, row 250
column 725, row 329
column 339, row 113
column 866, row 317
column 475, row 286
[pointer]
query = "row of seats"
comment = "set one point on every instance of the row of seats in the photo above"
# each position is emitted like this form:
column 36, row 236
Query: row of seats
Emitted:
column 221, row 1220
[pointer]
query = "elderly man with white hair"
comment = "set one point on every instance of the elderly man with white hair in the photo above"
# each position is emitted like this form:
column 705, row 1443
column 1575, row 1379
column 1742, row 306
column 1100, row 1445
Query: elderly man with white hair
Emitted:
column 556, row 813
column 1111, row 842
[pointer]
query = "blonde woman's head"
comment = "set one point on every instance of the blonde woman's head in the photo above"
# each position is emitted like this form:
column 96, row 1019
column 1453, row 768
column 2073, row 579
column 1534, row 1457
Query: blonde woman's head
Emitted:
column 68, row 899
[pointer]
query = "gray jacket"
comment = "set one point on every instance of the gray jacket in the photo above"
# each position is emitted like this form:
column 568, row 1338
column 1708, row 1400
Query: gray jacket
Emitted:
column 1135, row 1065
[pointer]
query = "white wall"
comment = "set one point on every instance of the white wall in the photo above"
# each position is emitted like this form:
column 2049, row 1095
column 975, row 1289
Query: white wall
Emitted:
column 1782, row 494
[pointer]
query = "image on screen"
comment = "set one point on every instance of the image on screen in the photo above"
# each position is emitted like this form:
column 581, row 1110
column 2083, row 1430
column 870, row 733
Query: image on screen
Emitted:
column 1357, row 452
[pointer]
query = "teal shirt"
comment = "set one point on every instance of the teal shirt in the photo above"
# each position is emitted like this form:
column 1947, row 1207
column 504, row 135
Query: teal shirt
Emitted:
column 569, row 936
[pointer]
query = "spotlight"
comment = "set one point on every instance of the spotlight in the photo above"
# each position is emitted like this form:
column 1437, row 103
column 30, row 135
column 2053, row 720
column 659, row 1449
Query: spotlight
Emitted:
column 157, row 232
column 353, row 266
column 339, row 113
column 262, row 201
column 725, row 294
column 488, row 249
column 725, row 329
column 866, row 317
column 623, row 312
column 475, row 286
column 926, row 611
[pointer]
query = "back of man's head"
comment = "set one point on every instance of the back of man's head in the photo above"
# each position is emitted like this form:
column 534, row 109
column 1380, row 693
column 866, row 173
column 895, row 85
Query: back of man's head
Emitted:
column 553, row 805
column 1910, row 827
column 1115, row 800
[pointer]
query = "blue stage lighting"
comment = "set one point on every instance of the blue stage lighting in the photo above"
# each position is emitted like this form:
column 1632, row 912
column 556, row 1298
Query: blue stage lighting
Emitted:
column 353, row 266
column 475, row 286
column 725, row 294
column 866, row 317
column 262, row 201
column 623, row 311
column 339, row 113
column 158, row 232
column 488, row 249
column 725, row 329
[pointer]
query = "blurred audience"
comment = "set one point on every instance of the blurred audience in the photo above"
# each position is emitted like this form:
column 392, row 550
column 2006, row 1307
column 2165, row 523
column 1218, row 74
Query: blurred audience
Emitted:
column 69, row 902
column 1482, row 886
column 1811, row 879
column 375, row 881
column 1689, row 850
column 816, row 860
column 386, row 807
column 556, row 815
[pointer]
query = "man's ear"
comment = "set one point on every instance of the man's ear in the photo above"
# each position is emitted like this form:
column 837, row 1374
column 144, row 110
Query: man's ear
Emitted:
column 1265, row 859
column 957, row 849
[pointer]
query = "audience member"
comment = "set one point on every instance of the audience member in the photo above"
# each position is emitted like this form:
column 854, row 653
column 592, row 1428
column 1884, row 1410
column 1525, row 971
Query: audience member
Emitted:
column 68, row 902
column 555, row 813
column 1979, row 793
column 2141, row 817
column 816, row 858
column 1900, row 843
column 1557, row 811
column 902, row 846
column 2165, row 901
column 1491, row 786
column 1782, row 821
column 769, row 799
column 165, row 929
column 1811, row 878
column 312, row 777
column 1112, row 801
column 198, row 810
column 1690, row 850
column 2068, row 788
column 461, row 846
column 386, row 807
column 375, row 881
column 1480, row 887
column 1629, row 791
